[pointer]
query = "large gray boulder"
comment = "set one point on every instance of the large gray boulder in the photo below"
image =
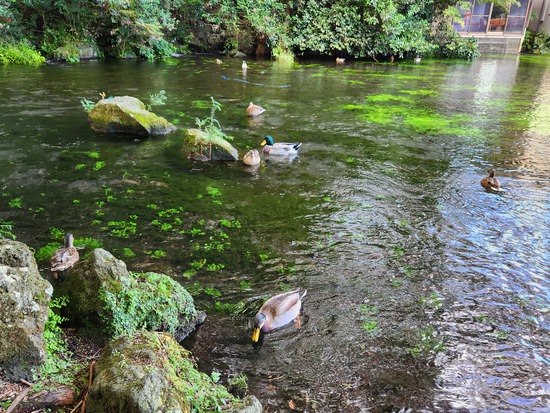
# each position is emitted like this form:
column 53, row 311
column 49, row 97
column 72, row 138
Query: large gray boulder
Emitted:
column 24, row 303
column 108, row 300
column 152, row 373
column 127, row 114
column 204, row 147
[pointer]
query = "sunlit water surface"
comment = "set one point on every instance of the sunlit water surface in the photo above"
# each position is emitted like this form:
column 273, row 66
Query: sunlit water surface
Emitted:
column 424, row 291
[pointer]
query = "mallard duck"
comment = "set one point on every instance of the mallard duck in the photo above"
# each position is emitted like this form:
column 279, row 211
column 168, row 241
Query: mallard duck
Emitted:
column 254, row 110
column 417, row 59
column 340, row 60
column 244, row 65
column 279, row 148
column 490, row 183
column 219, row 61
column 64, row 258
column 277, row 312
column 251, row 158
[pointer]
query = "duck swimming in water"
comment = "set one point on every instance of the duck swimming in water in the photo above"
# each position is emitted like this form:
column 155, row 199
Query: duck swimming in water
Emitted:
column 490, row 183
column 279, row 148
column 277, row 312
column 65, row 257
column 251, row 158
column 254, row 110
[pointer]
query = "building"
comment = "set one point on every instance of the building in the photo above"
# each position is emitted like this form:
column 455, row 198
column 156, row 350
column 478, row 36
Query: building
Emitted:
column 497, row 29
column 540, row 13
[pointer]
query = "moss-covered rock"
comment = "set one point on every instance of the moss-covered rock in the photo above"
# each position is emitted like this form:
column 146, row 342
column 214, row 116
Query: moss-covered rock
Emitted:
column 203, row 147
column 127, row 114
column 151, row 373
column 24, row 304
column 106, row 299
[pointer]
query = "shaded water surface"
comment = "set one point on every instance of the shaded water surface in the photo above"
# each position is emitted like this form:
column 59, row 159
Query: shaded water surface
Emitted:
column 424, row 291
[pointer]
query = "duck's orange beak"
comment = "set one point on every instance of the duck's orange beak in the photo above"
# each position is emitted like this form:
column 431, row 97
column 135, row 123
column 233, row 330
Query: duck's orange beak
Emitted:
column 264, row 142
column 256, row 335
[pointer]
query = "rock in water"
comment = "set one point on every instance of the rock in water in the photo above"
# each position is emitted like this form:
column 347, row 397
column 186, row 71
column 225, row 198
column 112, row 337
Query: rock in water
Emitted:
column 126, row 114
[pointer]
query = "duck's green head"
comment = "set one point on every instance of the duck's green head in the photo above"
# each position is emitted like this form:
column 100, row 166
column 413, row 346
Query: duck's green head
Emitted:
column 268, row 140
column 259, row 322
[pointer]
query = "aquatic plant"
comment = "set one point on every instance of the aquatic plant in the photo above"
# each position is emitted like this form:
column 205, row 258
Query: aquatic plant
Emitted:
column 16, row 202
column 6, row 228
column 88, row 105
column 210, row 125
column 157, row 99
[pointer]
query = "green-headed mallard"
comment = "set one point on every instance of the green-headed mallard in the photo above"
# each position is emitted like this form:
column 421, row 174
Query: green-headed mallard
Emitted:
column 277, row 312
column 490, row 183
column 254, row 110
column 65, row 257
column 252, row 158
column 279, row 148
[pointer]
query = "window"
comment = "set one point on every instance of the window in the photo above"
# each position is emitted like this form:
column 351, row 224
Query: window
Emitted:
column 484, row 17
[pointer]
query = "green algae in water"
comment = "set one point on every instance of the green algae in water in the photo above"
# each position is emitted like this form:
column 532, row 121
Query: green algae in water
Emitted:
column 436, row 124
column 420, row 92
column 388, row 97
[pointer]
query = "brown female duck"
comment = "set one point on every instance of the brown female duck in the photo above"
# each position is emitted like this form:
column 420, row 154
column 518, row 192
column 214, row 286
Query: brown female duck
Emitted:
column 490, row 183
column 64, row 258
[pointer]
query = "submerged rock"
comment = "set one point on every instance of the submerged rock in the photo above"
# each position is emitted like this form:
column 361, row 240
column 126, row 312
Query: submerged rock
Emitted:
column 204, row 147
column 24, row 304
column 127, row 114
column 105, row 299
column 150, row 373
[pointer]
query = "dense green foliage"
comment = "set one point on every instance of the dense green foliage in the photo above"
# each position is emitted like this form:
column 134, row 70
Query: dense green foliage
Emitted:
column 155, row 28
column 19, row 53
column 536, row 43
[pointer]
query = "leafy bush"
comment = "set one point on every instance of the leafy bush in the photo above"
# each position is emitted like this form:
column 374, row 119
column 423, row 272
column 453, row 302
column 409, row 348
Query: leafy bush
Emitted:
column 536, row 42
column 19, row 53
column 461, row 48
column 58, row 355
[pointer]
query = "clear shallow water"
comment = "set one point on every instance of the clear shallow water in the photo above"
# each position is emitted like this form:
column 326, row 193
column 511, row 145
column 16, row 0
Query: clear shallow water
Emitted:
column 423, row 290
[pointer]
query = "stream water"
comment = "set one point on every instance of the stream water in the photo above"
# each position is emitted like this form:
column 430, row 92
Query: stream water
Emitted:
column 425, row 293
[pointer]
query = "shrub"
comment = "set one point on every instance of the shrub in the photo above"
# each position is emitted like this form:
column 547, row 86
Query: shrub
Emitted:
column 19, row 53
column 461, row 48
column 536, row 42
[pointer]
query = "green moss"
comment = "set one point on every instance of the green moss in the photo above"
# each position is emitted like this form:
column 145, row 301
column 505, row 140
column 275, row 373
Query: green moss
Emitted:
column 148, row 301
column 157, row 352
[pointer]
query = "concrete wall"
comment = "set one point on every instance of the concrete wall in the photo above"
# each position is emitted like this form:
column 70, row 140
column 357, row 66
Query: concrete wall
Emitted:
column 541, row 9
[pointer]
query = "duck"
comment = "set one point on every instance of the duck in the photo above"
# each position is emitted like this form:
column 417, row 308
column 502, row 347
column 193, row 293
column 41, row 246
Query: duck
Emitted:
column 251, row 158
column 219, row 61
column 278, row 311
column 490, row 183
column 254, row 110
column 244, row 65
column 65, row 257
column 417, row 59
column 279, row 148
column 340, row 60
